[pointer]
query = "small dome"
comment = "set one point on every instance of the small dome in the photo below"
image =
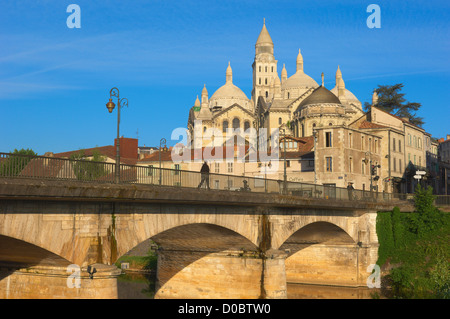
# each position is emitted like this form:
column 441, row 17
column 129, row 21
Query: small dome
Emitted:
column 229, row 90
column 349, row 96
column 321, row 95
column 228, row 94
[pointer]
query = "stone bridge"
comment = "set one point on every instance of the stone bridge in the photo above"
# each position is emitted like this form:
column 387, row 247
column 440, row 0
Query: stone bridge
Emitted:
column 212, row 244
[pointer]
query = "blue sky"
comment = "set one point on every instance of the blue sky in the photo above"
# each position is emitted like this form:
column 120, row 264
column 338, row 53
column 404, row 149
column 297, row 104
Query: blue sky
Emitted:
column 55, row 81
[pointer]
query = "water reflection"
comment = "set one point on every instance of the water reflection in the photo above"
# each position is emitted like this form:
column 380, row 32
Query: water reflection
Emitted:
column 134, row 285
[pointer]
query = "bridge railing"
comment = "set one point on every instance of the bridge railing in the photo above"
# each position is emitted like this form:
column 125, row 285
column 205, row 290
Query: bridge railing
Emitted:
column 55, row 168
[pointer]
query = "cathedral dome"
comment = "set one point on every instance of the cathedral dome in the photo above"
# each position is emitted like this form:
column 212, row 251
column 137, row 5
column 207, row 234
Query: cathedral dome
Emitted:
column 228, row 94
column 349, row 96
column 227, row 91
column 299, row 80
column 321, row 95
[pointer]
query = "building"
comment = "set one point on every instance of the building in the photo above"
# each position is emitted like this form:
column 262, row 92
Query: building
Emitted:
column 444, row 165
column 373, row 150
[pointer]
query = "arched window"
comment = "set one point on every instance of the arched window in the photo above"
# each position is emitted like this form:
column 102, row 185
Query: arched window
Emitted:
column 259, row 80
column 267, row 94
column 259, row 68
column 246, row 125
column 331, row 124
column 266, row 81
column 225, row 126
column 280, row 121
column 266, row 71
column 236, row 123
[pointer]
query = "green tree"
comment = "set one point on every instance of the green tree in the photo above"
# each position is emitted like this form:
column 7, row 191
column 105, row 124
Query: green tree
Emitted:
column 89, row 169
column 428, row 217
column 391, row 100
column 16, row 162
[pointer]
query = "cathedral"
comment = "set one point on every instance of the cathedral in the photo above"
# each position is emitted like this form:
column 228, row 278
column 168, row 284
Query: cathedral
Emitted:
column 325, row 136
column 296, row 102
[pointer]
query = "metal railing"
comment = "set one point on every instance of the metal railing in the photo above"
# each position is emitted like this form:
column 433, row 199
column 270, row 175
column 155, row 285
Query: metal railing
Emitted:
column 54, row 168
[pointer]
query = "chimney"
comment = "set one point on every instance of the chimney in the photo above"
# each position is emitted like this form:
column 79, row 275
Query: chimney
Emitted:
column 128, row 147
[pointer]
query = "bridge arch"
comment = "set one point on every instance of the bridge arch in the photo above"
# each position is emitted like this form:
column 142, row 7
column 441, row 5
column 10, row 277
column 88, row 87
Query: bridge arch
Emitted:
column 321, row 252
column 132, row 230
column 283, row 231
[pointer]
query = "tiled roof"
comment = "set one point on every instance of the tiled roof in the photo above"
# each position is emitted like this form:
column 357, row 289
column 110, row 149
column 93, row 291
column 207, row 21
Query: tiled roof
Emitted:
column 108, row 151
column 367, row 124
column 398, row 117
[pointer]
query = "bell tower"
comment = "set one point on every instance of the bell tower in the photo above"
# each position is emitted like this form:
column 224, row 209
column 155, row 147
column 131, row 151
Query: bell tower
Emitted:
column 264, row 67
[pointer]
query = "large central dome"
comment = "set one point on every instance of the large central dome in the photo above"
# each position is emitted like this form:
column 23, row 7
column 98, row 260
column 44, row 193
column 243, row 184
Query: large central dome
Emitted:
column 299, row 80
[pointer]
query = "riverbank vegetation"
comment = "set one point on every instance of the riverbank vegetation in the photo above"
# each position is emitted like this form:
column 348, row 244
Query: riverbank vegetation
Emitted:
column 414, row 252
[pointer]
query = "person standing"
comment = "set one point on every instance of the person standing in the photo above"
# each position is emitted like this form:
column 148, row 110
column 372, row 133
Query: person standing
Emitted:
column 350, row 191
column 205, row 175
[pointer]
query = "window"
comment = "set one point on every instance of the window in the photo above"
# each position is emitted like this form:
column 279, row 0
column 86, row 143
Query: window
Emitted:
column 266, row 71
column 272, row 69
column 414, row 160
column 288, row 94
column 362, row 142
column 151, row 170
column 420, row 143
column 329, row 164
column 217, row 167
column 363, row 168
column 375, row 145
column 224, row 126
column 260, row 70
column 409, row 139
column 267, row 93
column 236, row 123
column 265, row 81
column 204, row 129
column 394, row 166
column 350, row 140
column 259, row 80
column 230, row 167
column 393, row 145
column 399, row 145
column 288, row 163
column 331, row 124
column 370, row 144
column 177, row 168
column 400, row 165
column 327, row 139
column 415, row 141
column 350, row 164
column 420, row 160
column 280, row 121
column 246, row 125
column 409, row 157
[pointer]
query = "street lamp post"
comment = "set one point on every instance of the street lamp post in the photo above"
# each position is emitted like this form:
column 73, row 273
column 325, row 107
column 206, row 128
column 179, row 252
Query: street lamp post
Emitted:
column 110, row 106
column 161, row 142
column 315, row 153
column 284, row 153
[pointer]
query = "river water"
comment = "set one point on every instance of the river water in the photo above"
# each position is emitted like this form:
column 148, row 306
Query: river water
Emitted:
column 142, row 286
